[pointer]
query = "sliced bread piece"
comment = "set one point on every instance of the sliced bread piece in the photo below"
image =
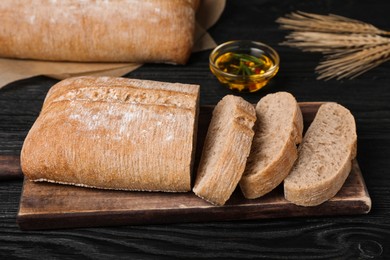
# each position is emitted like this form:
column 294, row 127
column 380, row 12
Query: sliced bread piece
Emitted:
column 325, row 156
column 225, row 151
column 278, row 130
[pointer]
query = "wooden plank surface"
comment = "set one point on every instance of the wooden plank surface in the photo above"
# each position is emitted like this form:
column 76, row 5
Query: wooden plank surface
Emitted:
column 51, row 206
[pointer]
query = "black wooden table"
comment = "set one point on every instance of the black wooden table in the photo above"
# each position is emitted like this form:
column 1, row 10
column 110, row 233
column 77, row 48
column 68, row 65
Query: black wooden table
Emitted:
column 336, row 237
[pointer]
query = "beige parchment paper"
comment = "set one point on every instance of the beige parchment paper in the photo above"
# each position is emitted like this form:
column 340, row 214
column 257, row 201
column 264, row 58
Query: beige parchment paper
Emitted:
column 13, row 69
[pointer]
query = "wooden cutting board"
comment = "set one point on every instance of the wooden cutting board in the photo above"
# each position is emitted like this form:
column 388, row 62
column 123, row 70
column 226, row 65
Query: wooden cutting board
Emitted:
column 51, row 206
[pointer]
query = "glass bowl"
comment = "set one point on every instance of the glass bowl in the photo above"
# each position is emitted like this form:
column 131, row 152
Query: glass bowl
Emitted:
column 244, row 66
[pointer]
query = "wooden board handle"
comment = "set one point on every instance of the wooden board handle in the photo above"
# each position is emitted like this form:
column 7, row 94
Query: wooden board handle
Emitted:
column 10, row 167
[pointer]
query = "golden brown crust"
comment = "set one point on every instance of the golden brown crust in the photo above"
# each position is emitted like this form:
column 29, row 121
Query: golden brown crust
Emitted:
column 96, row 31
column 111, row 137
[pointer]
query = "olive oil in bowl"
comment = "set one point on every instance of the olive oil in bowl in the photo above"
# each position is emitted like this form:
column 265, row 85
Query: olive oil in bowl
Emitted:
column 244, row 66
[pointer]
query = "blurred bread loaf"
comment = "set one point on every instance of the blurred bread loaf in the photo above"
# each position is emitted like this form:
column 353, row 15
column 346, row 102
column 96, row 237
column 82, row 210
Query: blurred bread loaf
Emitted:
column 278, row 130
column 98, row 31
column 225, row 151
column 114, row 133
column 325, row 157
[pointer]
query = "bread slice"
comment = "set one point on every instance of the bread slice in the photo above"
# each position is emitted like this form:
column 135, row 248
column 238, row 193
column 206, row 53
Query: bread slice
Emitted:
column 278, row 130
column 325, row 156
column 115, row 133
column 225, row 151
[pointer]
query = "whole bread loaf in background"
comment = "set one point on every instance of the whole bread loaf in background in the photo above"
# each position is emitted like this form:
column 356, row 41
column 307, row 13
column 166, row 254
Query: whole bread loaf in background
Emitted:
column 96, row 31
column 278, row 131
column 225, row 151
column 325, row 157
column 114, row 133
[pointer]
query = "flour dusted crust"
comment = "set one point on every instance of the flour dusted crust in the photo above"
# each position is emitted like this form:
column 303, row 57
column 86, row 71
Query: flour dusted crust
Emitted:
column 325, row 157
column 278, row 131
column 95, row 31
column 225, row 151
column 114, row 133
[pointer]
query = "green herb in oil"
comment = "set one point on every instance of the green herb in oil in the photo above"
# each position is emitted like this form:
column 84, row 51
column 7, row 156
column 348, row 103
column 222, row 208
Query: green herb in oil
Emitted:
column 243, row 64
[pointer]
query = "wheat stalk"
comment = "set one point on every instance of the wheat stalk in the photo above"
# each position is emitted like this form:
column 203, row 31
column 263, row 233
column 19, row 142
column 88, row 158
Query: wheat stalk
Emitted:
column 302, row 21
column 353, row 64
column 325, row 42
column 351, row 47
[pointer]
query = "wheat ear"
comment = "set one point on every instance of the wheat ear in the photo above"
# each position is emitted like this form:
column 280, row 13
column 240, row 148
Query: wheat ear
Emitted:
column 302, row 21
column 351, row 47
column 353, row 64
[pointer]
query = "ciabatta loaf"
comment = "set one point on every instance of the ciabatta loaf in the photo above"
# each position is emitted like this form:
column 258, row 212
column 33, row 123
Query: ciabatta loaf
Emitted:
column 225, row 151
column 325, row 157
column 95, row 31
column 114, row 133
column 278, row 130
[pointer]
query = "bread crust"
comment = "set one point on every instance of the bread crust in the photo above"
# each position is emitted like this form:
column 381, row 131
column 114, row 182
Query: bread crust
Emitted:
column 332, row 172
column 98, row 31
column 114, row 133
column 225, row 151
column 259, row 179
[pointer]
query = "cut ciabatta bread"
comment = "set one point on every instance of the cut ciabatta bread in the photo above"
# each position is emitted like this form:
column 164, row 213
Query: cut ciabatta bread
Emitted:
column 325, row 157
column 114, row 133
column 225, row 151
column 278, row 130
